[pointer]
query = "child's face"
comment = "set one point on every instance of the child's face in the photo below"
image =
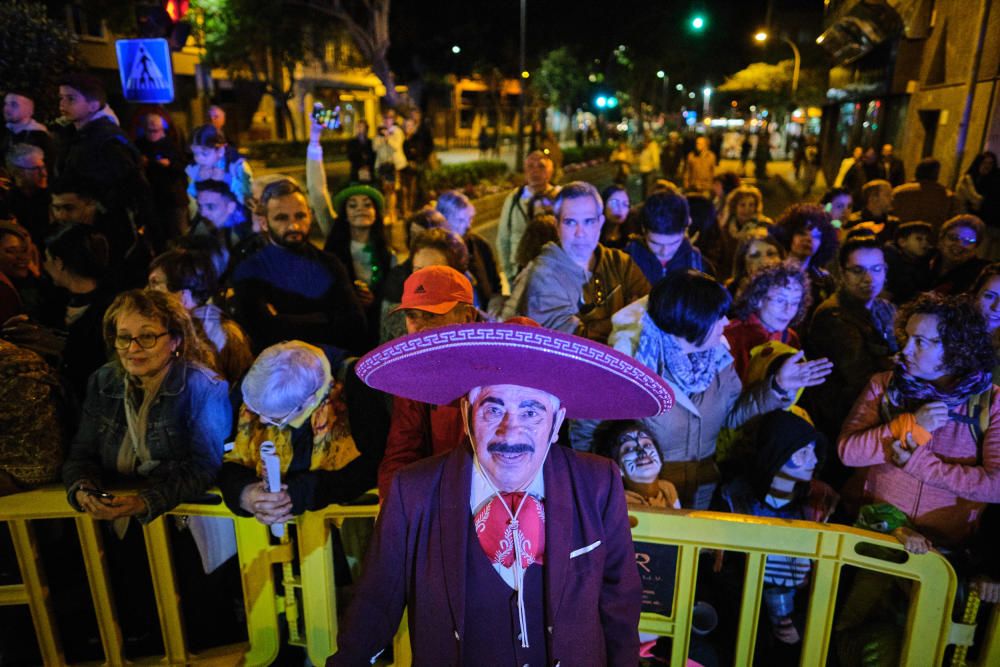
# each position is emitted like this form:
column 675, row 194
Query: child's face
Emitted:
column 801, row 465
column 207, row 157
column 638, row 456
column 916, row 244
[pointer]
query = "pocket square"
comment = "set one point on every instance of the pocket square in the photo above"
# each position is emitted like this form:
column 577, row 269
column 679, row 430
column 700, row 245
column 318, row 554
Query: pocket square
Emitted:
column 583, row 550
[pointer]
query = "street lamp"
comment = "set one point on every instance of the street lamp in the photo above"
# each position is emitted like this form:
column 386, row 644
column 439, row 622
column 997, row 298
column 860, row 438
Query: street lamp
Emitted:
column 707, row 92
column 666, row 88
column 698, row 22
column 762, row 36
column 456, row 49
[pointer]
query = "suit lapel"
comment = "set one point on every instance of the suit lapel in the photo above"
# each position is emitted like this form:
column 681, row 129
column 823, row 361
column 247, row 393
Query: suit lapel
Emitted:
column 454, row 529
column 558, row 528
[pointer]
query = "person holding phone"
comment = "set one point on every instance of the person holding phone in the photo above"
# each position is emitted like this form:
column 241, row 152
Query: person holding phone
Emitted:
column 156, row 416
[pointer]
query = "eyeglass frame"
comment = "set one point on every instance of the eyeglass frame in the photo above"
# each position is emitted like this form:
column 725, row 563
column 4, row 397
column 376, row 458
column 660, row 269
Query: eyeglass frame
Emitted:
column 283, row 421
column 156, row 338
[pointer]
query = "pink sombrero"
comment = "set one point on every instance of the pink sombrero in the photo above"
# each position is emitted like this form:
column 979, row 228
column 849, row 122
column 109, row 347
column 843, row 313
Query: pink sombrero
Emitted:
column 591, row 380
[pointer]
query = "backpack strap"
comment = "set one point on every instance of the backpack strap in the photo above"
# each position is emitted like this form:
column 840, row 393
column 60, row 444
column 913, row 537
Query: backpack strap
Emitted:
column 979, row 407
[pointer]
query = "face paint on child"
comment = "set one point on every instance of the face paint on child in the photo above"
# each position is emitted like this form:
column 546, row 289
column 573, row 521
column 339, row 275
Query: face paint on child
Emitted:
column 638, row 456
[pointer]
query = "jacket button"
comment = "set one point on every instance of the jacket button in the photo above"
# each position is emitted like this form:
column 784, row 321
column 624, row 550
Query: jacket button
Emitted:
column 550, row 629
column 457, row 638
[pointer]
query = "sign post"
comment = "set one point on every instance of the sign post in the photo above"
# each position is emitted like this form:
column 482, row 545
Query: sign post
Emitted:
column 146, row 71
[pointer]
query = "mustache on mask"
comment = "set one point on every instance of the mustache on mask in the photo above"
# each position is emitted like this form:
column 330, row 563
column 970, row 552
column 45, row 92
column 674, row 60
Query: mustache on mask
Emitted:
column 508, row 448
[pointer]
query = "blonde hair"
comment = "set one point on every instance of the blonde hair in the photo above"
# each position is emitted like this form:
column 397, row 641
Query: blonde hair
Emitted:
column 166, row 309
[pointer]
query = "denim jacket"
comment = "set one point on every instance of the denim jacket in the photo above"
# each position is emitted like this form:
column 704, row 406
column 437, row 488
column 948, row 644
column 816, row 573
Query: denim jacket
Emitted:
column 187, row 426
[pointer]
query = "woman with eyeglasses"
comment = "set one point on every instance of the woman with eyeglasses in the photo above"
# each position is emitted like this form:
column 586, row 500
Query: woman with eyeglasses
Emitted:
column 956, row 266
column 155, row 416
column 918, row 436
column 292, row 399
column 776, row 298
column 678, row 332
column 151, row 437
column 618, row 223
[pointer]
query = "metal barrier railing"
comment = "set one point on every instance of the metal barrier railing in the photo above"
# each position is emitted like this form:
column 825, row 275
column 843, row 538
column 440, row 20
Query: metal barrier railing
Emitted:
column 678, row 537
column 831, row 548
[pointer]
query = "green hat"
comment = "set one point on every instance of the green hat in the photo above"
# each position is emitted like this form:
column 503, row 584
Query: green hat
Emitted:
column 358, row 189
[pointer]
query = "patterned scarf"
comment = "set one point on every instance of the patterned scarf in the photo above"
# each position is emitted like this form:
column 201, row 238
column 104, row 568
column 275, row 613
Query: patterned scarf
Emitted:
column 691, row 373
column 906, row 393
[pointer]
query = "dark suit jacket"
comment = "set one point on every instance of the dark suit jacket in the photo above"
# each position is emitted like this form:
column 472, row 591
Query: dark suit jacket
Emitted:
column 417, row 559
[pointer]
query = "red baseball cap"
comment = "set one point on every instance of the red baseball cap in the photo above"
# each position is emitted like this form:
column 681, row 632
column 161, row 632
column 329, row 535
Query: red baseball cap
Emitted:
column 435, row 289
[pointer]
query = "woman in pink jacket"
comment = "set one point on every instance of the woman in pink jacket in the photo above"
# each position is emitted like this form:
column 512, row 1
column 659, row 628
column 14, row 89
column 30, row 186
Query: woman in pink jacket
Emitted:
column 919, row 434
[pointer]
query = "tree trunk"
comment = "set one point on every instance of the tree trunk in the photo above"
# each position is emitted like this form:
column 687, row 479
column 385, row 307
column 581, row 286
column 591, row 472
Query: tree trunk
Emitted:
column 381, row 69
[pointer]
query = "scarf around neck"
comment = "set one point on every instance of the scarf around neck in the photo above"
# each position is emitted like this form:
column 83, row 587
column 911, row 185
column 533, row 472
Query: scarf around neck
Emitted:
column 906, row 393
column 691, row 373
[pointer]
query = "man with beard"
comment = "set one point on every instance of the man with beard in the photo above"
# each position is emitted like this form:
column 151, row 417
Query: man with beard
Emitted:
column 22, row 128
column 510, row 550
column 289, row 289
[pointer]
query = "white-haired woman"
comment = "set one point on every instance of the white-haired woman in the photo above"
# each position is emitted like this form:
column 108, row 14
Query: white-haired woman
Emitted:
column 291, row 398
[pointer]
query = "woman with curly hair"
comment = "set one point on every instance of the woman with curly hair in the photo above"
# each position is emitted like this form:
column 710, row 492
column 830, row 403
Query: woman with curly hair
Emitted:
column 918, row 433
column 811, row 241
column 776, row 298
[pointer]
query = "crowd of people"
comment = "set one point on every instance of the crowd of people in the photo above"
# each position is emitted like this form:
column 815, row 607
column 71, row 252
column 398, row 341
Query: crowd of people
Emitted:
column 158, row 302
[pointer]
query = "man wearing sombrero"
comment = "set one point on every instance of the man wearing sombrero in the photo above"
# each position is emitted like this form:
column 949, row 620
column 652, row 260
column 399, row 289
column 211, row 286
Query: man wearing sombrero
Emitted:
column 510, row 550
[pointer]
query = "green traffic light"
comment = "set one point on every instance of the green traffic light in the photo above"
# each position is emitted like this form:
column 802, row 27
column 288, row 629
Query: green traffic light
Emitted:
column 698, row 22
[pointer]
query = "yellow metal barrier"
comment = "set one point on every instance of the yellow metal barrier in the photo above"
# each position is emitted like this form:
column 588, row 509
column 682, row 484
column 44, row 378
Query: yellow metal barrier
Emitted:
column 319, row 606
column 685, row 533
column 829, row 547
column 256, row 557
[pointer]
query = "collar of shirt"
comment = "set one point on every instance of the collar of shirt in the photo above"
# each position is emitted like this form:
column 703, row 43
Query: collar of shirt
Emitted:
column 481, row 492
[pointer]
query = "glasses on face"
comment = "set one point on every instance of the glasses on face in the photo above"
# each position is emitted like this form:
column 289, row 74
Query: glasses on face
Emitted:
column 955, row 237
column 861, row 271
column 145, row 340
column 282, row 421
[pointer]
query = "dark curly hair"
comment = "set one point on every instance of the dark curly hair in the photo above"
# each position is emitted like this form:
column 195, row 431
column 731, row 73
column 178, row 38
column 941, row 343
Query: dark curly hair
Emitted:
column 751, row 298
column 967, row 344
column 802, row 219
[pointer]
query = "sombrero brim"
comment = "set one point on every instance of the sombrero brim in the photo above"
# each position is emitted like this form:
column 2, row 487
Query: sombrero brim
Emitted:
column 591, row 380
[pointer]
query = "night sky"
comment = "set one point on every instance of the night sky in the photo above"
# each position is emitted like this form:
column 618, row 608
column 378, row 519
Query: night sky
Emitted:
column 656, row 33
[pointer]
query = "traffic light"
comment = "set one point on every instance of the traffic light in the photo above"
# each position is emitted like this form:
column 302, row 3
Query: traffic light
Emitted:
column 698, row 22
column 164, row 19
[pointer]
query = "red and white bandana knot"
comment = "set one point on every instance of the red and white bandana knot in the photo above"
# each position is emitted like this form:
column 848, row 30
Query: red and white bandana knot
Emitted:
column 511, row 524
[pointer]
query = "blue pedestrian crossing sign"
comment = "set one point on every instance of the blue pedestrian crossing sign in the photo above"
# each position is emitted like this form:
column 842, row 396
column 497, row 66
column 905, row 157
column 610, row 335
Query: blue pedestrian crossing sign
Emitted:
column 145, row 69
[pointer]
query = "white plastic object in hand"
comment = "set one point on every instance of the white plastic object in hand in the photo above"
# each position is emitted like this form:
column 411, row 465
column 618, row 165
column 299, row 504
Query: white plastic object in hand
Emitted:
column 272, row 475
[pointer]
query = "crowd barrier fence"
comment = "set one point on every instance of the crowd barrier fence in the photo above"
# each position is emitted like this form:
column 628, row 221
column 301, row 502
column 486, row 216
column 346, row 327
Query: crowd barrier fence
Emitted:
column 669, row 546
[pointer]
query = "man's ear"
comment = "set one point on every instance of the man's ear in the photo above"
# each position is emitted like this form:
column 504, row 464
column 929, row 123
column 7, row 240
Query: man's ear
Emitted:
column 557, row 424
column 466, row 409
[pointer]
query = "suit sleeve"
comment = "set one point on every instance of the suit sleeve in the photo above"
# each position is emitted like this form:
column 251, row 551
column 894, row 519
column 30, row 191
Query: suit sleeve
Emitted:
column 621, row 591
column 375, row 614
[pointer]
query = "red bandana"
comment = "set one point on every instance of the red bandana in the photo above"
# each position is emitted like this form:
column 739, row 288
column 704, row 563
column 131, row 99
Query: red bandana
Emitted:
column 497, row 533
